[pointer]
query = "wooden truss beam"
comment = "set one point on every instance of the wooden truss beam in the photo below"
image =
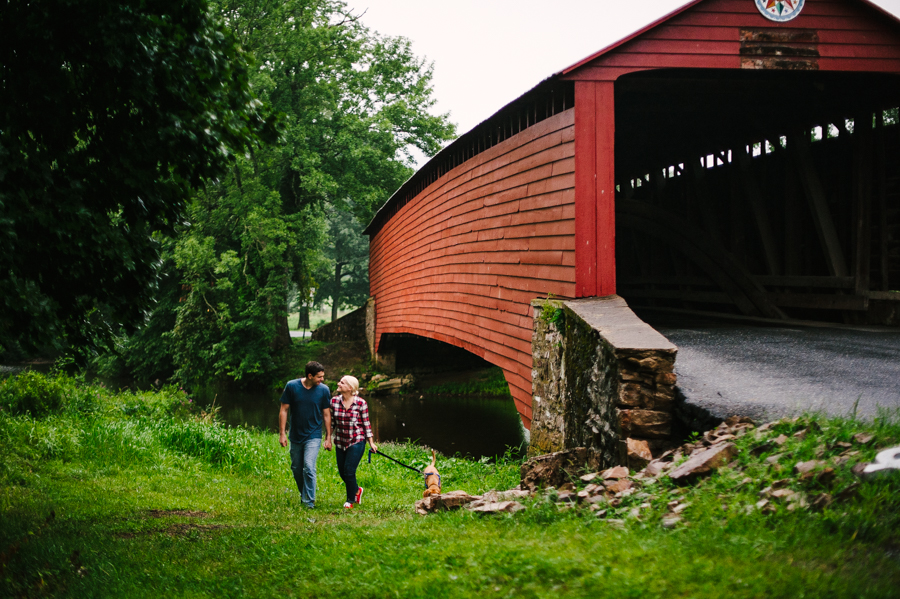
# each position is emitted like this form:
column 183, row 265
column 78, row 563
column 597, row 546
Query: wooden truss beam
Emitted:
column 758, row 208
column 798, row 146
column 862, row 197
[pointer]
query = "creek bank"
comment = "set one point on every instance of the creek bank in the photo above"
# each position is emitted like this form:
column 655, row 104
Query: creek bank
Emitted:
column 351, row 356
column 381, row 384
column 478, row 383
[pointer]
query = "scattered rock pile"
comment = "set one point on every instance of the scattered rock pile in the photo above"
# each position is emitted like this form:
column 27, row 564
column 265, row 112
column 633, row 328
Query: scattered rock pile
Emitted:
column 492, row 502
column 558, row 468
column 617, row 494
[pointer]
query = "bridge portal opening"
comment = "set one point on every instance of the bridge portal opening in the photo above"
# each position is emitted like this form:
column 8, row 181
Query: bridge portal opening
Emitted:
column 763, row 193
column 462, row 403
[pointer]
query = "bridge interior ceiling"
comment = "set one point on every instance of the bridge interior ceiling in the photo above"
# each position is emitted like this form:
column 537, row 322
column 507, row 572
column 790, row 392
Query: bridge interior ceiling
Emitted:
column 772, row 193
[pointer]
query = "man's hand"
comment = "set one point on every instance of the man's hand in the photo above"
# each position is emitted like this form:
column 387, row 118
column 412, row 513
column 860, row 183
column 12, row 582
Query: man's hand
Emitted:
column 282, row 424
column 326, row 418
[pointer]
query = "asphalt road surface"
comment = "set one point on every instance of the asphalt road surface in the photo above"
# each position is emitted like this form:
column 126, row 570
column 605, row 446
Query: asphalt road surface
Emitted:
column 766, row 372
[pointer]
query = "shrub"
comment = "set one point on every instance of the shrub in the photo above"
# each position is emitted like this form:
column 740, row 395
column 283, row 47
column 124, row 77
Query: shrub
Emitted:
column 32, row 393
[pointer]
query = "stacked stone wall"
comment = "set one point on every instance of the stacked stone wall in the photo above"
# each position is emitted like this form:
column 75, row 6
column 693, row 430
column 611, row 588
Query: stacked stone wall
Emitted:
column 548, row 375
column 603, row 379
column 350, row 327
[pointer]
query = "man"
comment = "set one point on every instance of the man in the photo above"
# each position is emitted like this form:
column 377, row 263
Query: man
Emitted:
column 309, row 402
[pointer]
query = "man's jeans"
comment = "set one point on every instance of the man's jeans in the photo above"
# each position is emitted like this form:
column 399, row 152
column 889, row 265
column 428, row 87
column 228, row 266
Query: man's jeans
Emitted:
column 347, row 462
column 303, row 466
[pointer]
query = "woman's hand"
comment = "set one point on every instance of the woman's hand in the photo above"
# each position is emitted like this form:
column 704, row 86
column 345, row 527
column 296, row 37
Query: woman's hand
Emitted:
column 372, row 445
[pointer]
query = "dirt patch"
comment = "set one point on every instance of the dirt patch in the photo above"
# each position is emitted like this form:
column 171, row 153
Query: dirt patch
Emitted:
column 176, row 530
column 184, row 530
column 343, row 357
column 185, row 513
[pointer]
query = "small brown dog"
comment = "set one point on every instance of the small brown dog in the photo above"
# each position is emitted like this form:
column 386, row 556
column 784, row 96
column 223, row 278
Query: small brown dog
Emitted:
column 432, row 478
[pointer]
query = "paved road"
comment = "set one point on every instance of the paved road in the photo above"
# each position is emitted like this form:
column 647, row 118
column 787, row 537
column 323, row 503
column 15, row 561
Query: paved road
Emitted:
column 765, row 371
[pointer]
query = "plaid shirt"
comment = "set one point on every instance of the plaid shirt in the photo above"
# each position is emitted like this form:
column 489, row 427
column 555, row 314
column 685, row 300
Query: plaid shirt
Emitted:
column 347, row 424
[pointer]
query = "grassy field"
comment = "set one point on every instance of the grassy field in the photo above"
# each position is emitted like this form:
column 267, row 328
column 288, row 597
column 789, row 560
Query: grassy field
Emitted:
column 316, row 317
column 110, row 495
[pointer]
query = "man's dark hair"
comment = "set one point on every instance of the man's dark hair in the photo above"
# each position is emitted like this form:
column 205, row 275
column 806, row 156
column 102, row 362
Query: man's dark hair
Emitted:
column 313, row 368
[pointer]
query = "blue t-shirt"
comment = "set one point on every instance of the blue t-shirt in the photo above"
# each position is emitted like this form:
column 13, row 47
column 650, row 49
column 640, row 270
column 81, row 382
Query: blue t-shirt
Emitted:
column 306, row 409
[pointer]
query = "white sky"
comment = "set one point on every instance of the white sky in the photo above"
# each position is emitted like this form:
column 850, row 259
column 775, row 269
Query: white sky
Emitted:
column 487, row 53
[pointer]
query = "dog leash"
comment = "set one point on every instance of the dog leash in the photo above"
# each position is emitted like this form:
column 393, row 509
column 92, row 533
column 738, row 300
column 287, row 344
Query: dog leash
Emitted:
column 402, row 464
column 393, row 460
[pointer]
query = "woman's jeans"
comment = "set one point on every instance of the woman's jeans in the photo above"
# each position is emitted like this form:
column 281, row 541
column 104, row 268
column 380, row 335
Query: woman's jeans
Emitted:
column 303, row 467
column 347, row 462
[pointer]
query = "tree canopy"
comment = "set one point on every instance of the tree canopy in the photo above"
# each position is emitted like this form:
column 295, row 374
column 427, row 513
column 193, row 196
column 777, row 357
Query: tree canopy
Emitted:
column 285, row 218
column 111, row 111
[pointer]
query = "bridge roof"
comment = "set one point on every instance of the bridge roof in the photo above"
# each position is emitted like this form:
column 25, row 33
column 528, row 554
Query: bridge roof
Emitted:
column 553, row 94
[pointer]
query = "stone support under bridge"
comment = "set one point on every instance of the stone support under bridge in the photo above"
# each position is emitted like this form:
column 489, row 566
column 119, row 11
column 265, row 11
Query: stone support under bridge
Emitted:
column 602, row 379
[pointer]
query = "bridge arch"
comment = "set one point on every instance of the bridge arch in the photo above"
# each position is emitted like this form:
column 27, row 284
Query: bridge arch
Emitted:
column 463, row 260
column 416, row 354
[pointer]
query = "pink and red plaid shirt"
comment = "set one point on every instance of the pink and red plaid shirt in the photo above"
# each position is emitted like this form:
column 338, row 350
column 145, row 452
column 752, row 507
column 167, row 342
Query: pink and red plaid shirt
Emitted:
column 350, row 425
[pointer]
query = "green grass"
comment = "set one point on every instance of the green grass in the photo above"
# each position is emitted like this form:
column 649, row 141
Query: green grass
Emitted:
column 139, row 495
column 308, row 350
column 317, row 318
column 490, row 382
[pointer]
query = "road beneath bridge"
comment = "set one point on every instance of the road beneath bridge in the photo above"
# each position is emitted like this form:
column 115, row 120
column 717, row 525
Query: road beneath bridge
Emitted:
column 766, row 371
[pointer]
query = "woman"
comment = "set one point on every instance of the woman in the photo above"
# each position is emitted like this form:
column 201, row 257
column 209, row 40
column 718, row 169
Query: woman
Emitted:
column 351, row 429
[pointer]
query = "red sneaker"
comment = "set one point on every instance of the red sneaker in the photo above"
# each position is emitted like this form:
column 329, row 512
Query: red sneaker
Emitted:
column 348, row 506
column 359, row 493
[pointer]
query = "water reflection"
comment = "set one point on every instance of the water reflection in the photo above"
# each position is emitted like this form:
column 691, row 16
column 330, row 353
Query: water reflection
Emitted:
column 473, row 426
column 468, row 425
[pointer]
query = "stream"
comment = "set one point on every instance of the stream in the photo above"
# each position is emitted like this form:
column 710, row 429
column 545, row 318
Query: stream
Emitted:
column 473, row 426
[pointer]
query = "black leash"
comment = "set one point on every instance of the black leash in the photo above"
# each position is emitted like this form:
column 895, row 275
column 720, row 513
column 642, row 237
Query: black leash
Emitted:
column 393, row 460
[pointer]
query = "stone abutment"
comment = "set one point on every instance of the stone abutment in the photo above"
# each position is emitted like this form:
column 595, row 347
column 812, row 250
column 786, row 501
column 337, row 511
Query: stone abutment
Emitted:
column 602, row 379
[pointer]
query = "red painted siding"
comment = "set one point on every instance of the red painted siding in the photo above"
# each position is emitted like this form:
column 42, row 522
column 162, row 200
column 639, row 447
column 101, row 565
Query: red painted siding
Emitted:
column 852, row 37
column 461, row 262
column 595, row 184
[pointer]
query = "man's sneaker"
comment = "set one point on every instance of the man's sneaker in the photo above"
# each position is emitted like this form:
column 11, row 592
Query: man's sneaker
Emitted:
column 359, row 493
column 348, row 506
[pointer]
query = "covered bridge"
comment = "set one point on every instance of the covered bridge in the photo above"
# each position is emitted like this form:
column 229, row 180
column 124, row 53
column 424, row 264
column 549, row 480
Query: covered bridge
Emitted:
column 734, row 156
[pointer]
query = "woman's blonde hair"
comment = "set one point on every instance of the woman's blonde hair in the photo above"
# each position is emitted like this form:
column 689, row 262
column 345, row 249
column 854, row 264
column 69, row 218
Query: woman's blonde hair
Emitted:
column 353, row 382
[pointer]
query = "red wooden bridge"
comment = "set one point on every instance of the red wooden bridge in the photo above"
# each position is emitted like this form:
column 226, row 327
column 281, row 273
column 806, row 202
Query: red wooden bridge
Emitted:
column 714, row 161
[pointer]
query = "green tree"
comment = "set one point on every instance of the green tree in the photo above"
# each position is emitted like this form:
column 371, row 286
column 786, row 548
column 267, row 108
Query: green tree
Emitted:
column 354, row 104
column 343, row 273
column 236, row 261
column 357, row 103
column 111, row 111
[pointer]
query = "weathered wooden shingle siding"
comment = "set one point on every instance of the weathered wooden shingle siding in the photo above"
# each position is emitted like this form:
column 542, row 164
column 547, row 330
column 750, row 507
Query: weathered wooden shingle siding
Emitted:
column 462, row 261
